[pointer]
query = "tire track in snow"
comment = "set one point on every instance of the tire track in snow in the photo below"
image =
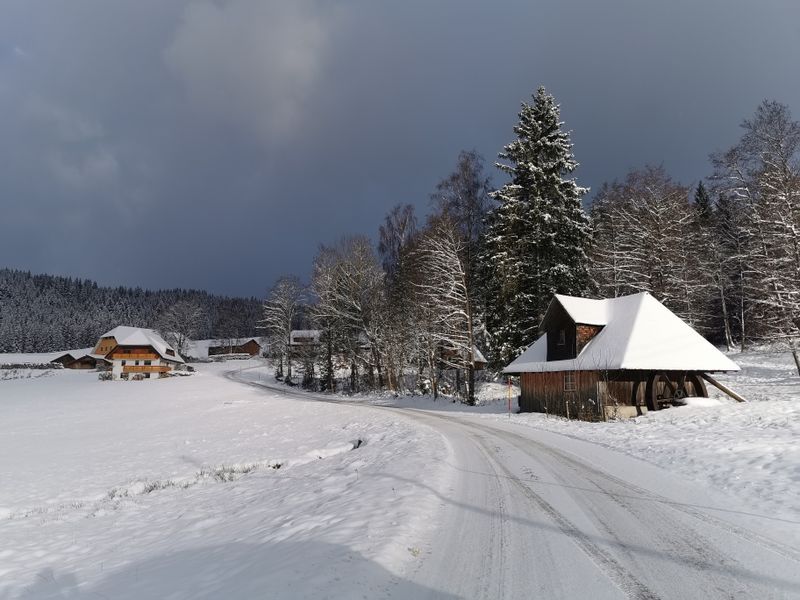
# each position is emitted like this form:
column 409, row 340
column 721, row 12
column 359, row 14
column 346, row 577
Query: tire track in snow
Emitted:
column 747, row 535
column 687, row 541
column 616, row 572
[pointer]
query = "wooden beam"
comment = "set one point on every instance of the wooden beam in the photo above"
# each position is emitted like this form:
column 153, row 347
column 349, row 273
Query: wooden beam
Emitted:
column 669, row 383
column 722, row 388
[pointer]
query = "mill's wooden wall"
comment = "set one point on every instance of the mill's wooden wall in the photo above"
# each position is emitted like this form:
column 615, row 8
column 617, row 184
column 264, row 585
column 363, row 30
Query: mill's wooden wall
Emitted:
column 599, row 394
column 594, row 390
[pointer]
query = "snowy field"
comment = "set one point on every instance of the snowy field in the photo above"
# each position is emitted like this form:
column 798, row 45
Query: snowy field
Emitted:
column 202, row 487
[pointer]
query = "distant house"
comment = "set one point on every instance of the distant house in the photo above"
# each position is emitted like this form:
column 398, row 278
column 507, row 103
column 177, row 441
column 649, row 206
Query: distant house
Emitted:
column 65, row 359
column 203, row 349
column 618, row 357
column 81, row 359
column 135, row 352
column 478, row 359
column 240, row 346
column 304, row 342
column 304, row 337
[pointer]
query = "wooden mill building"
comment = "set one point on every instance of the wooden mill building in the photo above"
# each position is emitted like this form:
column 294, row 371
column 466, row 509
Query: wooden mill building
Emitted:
column 613, row 358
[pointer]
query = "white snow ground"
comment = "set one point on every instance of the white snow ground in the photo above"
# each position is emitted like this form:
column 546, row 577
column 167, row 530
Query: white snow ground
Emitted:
column 170, row 487
column 750, row 450
column 166, row 489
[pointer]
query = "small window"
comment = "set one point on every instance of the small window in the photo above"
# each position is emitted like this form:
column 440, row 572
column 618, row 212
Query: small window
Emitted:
column 147, row 375
column 123, row 362
column 562, row 337
column 136, row 363
column 569, row 381
column 147, row 362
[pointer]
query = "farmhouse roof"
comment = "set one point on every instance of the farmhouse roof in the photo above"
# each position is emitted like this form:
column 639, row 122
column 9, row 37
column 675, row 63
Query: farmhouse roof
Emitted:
column 137, row 336
column 638, row 333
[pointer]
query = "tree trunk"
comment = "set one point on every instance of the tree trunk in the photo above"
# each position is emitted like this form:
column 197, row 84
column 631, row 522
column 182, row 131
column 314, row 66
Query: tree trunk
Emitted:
column 376, row 357
column 434, row 379
column 796, row 359
column 471, row 384
column 329, row 361
column 725, row 319
column 353, row 376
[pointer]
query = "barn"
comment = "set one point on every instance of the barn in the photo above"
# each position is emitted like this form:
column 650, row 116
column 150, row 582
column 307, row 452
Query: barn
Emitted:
column 238, row 346
column 614, row 358
column 81, row 359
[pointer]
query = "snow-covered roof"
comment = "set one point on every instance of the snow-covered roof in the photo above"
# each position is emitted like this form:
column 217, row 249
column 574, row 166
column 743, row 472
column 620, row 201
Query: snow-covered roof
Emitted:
column 639, row 333
column 583, row 310
column 75, row 354
column 137, row 336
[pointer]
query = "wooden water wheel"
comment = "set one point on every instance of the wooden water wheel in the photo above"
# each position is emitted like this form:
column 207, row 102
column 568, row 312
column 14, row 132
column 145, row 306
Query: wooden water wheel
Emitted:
column 670, row 389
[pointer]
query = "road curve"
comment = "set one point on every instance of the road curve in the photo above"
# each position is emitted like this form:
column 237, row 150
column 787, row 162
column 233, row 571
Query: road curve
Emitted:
column 529, row 514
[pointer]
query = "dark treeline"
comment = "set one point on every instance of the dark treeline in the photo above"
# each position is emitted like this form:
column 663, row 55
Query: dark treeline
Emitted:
column 480, row 271
column 43, row 313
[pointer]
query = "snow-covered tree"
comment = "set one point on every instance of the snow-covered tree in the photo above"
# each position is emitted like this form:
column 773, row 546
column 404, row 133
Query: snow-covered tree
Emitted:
column 351, row 299
column 763, row 171
column 536, row 239
column 182, row 322
column 397, row 237
column 646, row 237
column 280, row 310
column 445, row 291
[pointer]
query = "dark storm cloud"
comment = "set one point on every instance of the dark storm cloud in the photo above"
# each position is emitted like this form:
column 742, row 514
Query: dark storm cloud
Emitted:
column 215, row 144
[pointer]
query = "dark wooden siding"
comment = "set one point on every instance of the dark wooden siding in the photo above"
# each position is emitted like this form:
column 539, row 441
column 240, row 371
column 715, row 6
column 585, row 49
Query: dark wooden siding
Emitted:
column 545, row 392
column 597, row 394
column 557, row 321
column 251, row 347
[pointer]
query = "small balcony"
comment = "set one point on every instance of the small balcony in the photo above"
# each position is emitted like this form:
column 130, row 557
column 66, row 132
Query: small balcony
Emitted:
column 146, row 369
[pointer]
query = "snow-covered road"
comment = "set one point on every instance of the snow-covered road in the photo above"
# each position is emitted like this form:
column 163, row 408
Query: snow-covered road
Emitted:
column 532, row 514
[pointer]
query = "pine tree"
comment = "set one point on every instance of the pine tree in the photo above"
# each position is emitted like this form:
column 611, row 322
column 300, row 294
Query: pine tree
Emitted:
column 703, row 206
column 537, row 237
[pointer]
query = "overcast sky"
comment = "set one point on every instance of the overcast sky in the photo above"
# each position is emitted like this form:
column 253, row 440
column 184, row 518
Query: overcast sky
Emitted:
column 216, row 144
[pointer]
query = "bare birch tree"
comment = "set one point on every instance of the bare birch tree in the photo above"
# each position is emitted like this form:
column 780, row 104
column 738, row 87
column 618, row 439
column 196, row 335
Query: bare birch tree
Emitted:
column 281, row 307
column 181, row 322
column 445, row 290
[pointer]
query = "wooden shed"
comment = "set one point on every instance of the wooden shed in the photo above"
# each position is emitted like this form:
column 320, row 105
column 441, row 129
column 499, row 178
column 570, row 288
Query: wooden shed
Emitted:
column 613, row 358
